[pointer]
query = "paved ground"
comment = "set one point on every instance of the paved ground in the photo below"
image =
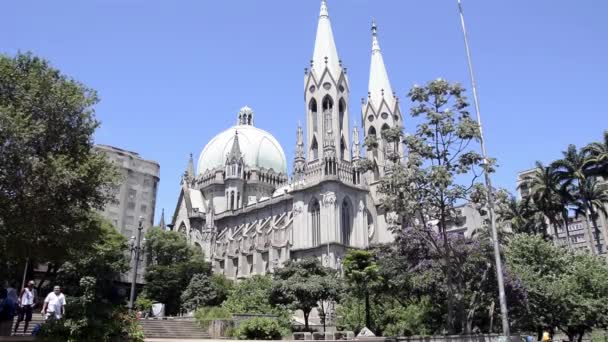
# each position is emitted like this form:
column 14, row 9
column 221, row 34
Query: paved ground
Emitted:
column 190, row 340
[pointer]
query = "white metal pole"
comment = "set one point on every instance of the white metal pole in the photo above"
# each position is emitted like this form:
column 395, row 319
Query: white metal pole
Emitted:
column 501, row 287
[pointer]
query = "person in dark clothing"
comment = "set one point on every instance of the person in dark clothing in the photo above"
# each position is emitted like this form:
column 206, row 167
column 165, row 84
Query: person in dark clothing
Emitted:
column 7, row 312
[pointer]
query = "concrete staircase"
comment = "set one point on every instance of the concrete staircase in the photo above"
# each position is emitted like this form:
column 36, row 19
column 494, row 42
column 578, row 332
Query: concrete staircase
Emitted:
column 36, row 319
column 172, row 328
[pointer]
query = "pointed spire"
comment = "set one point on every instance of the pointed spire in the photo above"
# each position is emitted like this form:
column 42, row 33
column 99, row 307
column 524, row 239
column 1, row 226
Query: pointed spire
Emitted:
column 356, row 147
column 162, row 224
column 325, row 52
column 299, row 143
column 235, row 152
column 190, row 169
column 379, row 84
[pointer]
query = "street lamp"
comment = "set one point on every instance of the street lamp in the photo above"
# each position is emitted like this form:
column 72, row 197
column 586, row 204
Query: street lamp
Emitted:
column 136, row 246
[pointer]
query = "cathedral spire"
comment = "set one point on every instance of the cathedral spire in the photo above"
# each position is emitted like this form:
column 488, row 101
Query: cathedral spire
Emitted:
column 190, row 169
column 235, row 152
column 356, row 147
column 325, row 52
column 162, row 224
column 379, row 84
column 299, row 143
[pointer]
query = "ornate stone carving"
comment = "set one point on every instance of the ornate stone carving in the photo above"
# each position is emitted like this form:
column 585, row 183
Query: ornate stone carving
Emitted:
column 329, row 198
column 392, row 218
column 361, row 206
column 298, row 208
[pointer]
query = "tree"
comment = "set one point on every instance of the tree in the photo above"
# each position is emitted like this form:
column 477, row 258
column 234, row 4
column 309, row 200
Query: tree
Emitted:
column 566, row 290
column 440, row 171
column 222, row 287
column 544, row 192
column 598, row 156
column 105, row 259
column 302, row 284
column 172, row 263
column 50, row 178
column 251, row 296
column 199, row 293
column 362, row 274
column 591, row 199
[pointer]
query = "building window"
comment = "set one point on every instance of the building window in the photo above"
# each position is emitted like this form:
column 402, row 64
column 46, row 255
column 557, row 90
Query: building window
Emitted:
column 314, row 148
column 345, row 222
column 131, row 205
column 143, row 208
column 313, row 115
column 315, row 215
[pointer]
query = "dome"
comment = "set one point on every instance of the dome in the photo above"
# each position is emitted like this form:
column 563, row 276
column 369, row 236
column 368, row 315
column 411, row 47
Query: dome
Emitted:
column 258, row 147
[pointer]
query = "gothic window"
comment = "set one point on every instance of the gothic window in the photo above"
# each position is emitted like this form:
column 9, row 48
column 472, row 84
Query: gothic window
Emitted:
column 342, row 149
column 328, row 103
column 313, row 115
column 249, row 119
column 238, row 199
column 314, row 148
column 315, row 214
column 232, row 200
column 342, row 109
column 371, row 131
column 346, row 224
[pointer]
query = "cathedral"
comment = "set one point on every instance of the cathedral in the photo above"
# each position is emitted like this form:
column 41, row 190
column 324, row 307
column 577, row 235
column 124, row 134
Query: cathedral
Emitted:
column 248, row 215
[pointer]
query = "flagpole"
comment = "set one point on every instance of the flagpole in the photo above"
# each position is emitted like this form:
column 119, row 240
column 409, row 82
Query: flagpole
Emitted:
column 499, row 275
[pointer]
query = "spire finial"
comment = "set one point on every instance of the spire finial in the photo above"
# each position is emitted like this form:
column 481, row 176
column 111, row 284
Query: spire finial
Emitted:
column 324, row 12
column 374, row 27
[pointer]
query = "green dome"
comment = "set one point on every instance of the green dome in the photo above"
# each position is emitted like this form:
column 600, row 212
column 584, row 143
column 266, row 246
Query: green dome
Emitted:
column 259, row 148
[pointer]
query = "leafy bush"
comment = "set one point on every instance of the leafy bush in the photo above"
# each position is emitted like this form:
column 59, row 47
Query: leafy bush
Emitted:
column 205, row 315
column 143, row 304
column 92, row 318
column 260, row 328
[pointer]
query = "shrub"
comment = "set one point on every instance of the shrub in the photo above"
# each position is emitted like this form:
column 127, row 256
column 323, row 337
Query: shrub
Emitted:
column 144, row 304
column 260, row 328
column 205, row 315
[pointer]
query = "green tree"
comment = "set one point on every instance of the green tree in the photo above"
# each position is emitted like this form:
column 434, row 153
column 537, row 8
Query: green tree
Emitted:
column 440, row 172
column 544, row 192
column 302, row 284
column 50, row 179
column 105, row 259
column 199, row 293
column 251, row 296
column 591, row 198
column 598, row 156
column 362, row 274
column 222, row 287
column 172, row 263
column 566, row 290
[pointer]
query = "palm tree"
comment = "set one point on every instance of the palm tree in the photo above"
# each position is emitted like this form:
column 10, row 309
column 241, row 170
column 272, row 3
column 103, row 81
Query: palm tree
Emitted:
column 598, row 156
column 591, row 200
column 545, row 194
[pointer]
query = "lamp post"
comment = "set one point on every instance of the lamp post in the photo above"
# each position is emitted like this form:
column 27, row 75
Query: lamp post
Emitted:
column 137, row 247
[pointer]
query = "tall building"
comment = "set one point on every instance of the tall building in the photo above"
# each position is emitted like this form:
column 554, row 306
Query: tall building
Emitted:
column 581, row 231
column 135, row 194
column 248, row 216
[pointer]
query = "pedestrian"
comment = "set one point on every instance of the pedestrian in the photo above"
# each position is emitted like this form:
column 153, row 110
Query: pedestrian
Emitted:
column 546, row 336
column 54, row 304
column 7, row 312
column 27, row 301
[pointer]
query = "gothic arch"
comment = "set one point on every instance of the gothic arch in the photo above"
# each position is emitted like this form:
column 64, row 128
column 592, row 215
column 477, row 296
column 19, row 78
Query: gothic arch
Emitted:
column 182, row 228
column 328, row 103
column 314, row 210
column 314, row 148
column 342, row 148
column 312, row 106
column 346, row 221
column 371, row 130
column 342, row 110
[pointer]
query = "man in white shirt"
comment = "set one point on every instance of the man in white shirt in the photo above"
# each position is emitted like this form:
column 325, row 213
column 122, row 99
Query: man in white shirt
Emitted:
column 54, row 304
column 26, row 301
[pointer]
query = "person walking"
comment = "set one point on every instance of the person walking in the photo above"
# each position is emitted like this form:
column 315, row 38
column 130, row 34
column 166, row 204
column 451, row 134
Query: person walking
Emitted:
column 54, row 304
column 27, row 301
column 7, row 312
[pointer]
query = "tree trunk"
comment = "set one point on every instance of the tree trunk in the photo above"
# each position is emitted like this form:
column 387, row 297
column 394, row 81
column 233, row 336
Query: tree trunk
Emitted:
column 598, row 245
column 306, row 314
column 593, row 249
column 368, row 319
column 449, row 278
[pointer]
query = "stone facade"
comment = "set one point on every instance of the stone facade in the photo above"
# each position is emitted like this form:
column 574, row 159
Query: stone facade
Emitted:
column 135, row 194
column 248, row 216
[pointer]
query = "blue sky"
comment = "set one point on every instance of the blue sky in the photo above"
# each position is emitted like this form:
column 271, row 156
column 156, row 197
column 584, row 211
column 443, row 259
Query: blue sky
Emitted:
column 172, row 74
